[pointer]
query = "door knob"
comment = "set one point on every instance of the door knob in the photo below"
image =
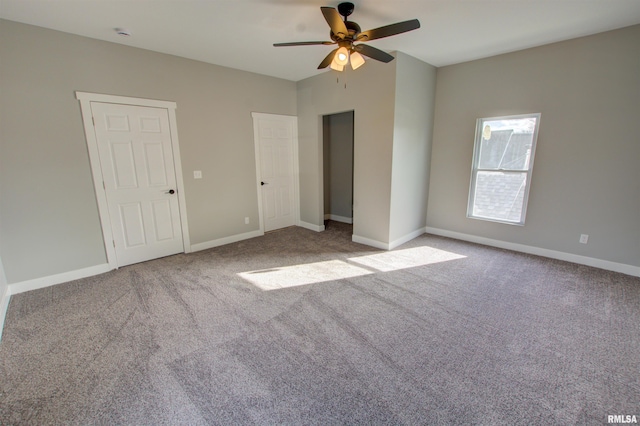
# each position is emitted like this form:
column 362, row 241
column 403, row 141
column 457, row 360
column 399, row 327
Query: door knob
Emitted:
column 263, row 183
column 171, row 191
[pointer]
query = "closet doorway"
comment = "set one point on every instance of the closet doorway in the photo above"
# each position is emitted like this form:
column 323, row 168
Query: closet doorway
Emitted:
column 337, row 132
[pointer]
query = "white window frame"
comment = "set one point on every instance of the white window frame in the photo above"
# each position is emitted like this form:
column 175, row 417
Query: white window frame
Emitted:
column 475, row 169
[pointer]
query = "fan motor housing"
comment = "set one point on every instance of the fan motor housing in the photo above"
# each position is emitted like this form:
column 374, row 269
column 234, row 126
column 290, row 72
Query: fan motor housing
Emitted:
column 354, row 30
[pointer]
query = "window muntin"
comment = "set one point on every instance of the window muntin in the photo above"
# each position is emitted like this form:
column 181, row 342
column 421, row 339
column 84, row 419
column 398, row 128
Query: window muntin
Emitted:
column 501, row 171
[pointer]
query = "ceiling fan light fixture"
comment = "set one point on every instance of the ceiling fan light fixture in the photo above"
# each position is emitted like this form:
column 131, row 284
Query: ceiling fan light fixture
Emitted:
column 336, row 66
column 342, row 56
column 357, row 60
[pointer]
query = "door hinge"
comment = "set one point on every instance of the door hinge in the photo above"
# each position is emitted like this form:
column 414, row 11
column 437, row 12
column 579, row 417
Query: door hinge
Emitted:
column 93, row 120
column 114, row 243
column 104, row 186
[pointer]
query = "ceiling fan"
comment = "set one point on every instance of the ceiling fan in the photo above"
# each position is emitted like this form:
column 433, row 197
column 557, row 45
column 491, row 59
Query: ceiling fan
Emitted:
column 346, row 33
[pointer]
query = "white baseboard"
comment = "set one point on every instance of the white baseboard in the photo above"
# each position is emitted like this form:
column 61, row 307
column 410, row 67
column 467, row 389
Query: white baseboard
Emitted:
column 369, row 242
column 21, row 287
column 388, row 246
column 337, row 218
column 226, row 240
column 4, row 305
column 43, row 282
column 5, row 295
column 311, row 226
column 410, row 236
column 553, row 254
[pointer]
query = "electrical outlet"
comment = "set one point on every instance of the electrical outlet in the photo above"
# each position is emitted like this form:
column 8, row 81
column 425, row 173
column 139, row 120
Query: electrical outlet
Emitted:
column 584, row 238
column 197, row 174
column 246, row 220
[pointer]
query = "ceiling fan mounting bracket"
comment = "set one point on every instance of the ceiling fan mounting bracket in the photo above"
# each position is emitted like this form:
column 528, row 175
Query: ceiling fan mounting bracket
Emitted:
column 345, row 9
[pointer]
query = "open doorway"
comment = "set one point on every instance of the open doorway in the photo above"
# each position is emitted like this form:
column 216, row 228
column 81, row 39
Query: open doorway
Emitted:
column 337, row 133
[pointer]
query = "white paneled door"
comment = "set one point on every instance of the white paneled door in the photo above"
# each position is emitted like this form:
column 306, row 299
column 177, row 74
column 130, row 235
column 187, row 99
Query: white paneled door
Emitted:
column 136, row 158
column 276, row 137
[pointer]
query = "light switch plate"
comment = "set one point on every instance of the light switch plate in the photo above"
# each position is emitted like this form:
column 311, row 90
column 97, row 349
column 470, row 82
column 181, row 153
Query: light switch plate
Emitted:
column 197, row 174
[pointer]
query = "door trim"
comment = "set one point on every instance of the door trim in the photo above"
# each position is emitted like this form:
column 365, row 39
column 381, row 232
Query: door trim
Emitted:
column 293, row 120
column 85, row 99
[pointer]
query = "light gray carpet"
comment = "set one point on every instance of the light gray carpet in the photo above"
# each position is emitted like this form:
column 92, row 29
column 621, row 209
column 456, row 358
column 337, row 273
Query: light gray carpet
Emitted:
column 437, row 331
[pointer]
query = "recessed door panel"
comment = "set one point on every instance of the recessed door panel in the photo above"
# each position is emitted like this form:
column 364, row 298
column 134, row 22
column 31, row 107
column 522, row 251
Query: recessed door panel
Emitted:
column 284, row 201
column 123, row 162
column 154, row 157
column 162, row 220
column 267, row 160
column 270, row 211
column 132, row 225
column 116, row 123
column 150, row 125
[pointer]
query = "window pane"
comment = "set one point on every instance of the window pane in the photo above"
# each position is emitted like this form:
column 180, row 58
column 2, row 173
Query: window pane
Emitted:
column 506, row 144
column 492, row 150
column 499, row 195
column 504, row 148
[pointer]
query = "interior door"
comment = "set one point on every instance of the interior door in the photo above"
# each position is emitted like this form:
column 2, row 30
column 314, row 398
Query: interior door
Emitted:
column 277, row 171
column 136, row 157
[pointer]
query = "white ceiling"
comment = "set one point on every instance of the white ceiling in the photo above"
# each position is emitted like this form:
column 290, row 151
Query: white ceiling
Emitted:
column 240, row 33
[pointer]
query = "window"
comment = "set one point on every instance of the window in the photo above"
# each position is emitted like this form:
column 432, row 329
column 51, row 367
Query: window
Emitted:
column 502, row 163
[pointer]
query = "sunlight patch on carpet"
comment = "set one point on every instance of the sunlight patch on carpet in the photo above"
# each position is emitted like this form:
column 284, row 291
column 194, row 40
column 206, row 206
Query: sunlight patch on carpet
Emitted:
column 407, row 258
column 310, row 273
column 332, row 270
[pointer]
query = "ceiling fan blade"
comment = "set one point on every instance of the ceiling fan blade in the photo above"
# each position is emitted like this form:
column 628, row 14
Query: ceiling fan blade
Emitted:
column 373, row 53
column 389, row 30
column 334, row 20
column 303, row 43
column 327, row 60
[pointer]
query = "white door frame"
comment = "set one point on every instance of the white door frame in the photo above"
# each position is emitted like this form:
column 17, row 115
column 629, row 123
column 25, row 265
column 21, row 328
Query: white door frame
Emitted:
column 85, row 99
column 296, row 168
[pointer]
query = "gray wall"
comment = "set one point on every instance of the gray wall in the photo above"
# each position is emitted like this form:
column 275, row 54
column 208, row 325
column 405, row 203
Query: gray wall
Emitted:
column 50, row 221
column 586, row 178
column 413, row 127
column 393, row 118
column 338, row 164
column 372, row 98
